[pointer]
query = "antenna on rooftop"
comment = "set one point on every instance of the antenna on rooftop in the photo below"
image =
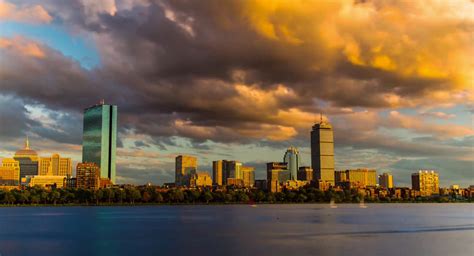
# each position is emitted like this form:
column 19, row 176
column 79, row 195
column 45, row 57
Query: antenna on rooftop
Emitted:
column 321, row 116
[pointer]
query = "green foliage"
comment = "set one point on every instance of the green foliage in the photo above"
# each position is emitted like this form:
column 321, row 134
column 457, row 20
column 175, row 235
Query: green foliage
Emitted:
column 157, row 195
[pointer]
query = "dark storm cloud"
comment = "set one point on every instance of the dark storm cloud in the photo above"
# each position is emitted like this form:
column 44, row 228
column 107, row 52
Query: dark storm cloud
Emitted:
column 14, row 120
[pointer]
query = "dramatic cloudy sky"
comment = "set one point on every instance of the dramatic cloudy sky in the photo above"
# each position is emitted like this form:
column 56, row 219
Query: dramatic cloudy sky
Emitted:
column 244, row 80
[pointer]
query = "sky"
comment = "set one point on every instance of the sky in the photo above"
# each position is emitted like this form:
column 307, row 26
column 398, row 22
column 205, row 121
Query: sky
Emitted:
column 244, row 80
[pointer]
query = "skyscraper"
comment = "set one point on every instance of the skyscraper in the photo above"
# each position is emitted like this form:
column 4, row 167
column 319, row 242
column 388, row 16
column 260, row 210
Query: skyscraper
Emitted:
column 427, row 182
column 292, row 158
column 185, row 168
column 217, row 173
column 28, row 159
column 386, row 180
column 99, row 142
column 322, row 152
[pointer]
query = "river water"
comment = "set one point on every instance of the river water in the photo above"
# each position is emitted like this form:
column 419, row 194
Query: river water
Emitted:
column 300, row 229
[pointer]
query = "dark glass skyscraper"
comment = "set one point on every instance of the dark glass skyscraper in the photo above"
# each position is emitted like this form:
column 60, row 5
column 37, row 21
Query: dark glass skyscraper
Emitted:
column 99, row 142
column 322, row 152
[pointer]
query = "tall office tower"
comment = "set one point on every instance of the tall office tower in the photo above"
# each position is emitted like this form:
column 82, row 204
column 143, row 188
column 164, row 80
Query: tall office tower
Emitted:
column 185, row 167
column 88, row 176
column 28, row 159
column 99, row 141
column 292, row 158
column 231, row 170
column 248, row 176
column 10, row 172
column 386, row 180
column 277, row 173
column 217, row 173
column 305, row 173
column 322, row 152
column 55, row 166
column 427, row 182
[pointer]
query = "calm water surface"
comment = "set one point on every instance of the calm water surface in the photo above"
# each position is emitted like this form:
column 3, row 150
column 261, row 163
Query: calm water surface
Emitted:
column 380, row 229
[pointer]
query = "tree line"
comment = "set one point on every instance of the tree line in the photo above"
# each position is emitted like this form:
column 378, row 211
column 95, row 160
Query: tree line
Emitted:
column 156, row 195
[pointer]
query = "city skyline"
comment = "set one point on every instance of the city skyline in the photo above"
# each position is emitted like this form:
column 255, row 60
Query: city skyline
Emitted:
column 399, row 100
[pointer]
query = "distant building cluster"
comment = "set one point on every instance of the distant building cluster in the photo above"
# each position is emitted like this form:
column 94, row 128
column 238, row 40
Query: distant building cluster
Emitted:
column 97, row 169
column 290, row 175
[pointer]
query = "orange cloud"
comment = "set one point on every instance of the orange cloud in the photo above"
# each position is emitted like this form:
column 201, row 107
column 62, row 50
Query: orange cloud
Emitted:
column 34, row 14
column 22, row 46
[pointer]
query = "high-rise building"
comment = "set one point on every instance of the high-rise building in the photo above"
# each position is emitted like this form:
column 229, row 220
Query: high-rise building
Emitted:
column 28, row 159
column 9, row 172
column 277, row 173
column 322, row 152
column 386, row 180
column 248, row 176
column 305, row 173
column 231, row 170
column 292, row 158
column 55, row 166
column 99, row 142
column 185, row 167
column 88, row 176
column 217, row 173
column 427, row 182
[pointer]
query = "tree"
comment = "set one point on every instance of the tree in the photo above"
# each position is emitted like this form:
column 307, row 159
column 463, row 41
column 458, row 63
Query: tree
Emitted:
column 9, row 198
column 54, row 196
column 207, row 196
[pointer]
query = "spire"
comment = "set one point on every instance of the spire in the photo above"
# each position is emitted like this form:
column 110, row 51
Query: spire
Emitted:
column 27, row 143
column 321, row 117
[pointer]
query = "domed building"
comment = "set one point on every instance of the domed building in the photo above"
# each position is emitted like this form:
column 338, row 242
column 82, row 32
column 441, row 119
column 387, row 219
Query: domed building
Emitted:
column 28, row 159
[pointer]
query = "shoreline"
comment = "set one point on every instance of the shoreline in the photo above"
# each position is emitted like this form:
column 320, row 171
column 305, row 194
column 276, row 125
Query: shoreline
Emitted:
column 214, row 204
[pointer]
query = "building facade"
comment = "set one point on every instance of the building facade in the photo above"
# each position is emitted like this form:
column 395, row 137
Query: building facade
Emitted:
column 386, row 180
column 28, row 160
column 55, row 166
column 44, row 181
column 426, row 182
column 99, row 142
column 277, row 174
column 248, row 176
column 292, row 158
column 305, row 173
column 200, row 179
column 322, row 152
column 185, row 168
column 217, row 173
column 356, row 178
column 88, row 176
column 9, row 172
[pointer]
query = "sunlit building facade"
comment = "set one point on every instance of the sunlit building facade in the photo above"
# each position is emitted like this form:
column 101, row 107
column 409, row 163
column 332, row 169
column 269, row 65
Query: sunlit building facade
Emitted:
column 356, row 178
column 55, row 166
column 248, row 176
column 99, row 142
column 185, row 167
column 386, row 180
column 200, row 179
column 88, row 176
column 292, row 158
column 426, row 182
column 9, row 172
column 44, row 181
column 322, row 152
column 277, row 174
column 217, row 173
column 28, row 160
